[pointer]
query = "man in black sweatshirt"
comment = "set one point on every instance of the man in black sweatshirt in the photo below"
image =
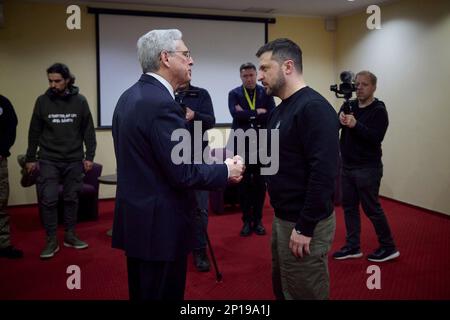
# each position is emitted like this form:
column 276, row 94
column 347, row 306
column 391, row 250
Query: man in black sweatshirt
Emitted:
column 363, row 130
column 60, row 124
column 8, row 124
column 302, row 190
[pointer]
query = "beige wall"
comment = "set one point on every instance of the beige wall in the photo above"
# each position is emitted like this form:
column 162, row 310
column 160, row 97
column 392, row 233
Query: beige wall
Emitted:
column 35, row 36
column 410, row 56
column 318, row 49
column 414, row 40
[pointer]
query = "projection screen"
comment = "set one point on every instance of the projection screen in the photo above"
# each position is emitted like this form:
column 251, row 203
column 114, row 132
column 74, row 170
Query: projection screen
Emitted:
column 218, row 48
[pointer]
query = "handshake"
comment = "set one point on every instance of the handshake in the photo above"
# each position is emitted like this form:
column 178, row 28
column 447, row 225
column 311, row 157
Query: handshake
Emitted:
column 236, row 168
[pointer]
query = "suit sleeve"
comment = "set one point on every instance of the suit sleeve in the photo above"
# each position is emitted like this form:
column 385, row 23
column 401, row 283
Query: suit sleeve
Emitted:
column 181, row 175
column 245, row 115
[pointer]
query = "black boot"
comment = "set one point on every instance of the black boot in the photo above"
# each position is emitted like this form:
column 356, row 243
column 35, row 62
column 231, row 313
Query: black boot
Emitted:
column 246, row 230
column 259, row 228
column 201, row 260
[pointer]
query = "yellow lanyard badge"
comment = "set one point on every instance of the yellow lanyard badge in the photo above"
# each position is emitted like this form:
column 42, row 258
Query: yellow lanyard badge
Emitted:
column 252, row 104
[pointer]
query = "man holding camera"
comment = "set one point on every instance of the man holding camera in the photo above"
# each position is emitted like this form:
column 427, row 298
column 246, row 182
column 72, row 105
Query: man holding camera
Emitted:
column 199, row 110
column 363, row 128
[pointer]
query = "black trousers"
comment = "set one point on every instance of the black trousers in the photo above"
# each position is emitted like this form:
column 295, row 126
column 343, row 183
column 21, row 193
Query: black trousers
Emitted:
column 201, row 219
column 156, row 280
column 52, row 173
column 361, row 186
column 252, row 192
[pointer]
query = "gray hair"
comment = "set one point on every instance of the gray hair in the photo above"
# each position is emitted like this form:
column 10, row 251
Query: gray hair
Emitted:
column 151, row 44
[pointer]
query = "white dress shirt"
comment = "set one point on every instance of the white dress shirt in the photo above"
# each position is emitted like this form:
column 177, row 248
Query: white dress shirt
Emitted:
column 164, row 82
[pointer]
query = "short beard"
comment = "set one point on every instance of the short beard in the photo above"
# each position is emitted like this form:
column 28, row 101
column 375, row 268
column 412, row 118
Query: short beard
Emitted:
column 59, row 92
column 276, row 88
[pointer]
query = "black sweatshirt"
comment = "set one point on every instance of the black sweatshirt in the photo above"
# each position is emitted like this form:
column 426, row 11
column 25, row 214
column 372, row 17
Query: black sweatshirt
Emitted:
column 59, row 126
column 303, row 189
column 8, row 124
column 361, row 145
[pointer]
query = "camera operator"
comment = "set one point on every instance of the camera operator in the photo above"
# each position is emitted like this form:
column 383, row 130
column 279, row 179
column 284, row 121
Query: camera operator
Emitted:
column 363, row 128
column 198, row 106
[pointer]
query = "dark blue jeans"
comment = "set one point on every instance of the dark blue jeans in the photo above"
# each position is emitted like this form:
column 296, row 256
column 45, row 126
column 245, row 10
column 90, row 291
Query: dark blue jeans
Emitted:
column 201, row 219
column 361, row 186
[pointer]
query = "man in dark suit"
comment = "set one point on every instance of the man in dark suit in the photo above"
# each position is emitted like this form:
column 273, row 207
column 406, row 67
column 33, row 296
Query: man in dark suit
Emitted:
column 250, row 106
column 199, row 111
column 154, row 198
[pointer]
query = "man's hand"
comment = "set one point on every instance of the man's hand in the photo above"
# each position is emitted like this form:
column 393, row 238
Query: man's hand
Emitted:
column 238, row 108
column 30, row 167
column 236, row 168
column 347, row 120
column 189, row 114
column 299, row 244
column 342, row 118
column 87, row 165
column 260, row 110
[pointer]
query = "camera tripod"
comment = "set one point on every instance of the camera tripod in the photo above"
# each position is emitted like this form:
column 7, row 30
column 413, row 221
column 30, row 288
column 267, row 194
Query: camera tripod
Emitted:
column 219, row 276
column 204, row 231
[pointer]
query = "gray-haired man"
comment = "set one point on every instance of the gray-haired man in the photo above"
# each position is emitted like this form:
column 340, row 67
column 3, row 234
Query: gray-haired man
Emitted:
column 155, row 200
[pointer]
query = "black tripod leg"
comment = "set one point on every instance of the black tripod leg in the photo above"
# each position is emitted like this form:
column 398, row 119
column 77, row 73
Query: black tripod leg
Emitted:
column 219, row 277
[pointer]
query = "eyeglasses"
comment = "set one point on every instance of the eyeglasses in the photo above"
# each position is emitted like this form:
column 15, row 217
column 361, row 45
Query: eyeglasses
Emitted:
column 185, row 53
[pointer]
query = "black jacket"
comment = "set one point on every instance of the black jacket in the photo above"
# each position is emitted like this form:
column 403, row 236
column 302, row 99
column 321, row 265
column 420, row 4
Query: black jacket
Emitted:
column 8, row 124
column 198, row 100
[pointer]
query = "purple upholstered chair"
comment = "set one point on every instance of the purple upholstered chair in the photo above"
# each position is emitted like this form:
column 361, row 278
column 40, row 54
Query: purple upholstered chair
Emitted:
column 88, row 201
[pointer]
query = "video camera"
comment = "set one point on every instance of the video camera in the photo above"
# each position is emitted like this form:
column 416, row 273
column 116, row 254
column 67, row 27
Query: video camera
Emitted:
column 345, row 89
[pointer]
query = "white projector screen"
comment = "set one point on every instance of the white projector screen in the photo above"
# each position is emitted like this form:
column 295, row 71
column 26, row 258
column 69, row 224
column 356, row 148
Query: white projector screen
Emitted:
column 218, row 49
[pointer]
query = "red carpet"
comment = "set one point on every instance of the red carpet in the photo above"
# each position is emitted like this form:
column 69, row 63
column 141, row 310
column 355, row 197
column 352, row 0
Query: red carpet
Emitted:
column 421, row 272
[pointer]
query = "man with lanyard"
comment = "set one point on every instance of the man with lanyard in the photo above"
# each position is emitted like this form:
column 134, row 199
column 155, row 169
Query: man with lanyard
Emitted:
column 249, row 106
